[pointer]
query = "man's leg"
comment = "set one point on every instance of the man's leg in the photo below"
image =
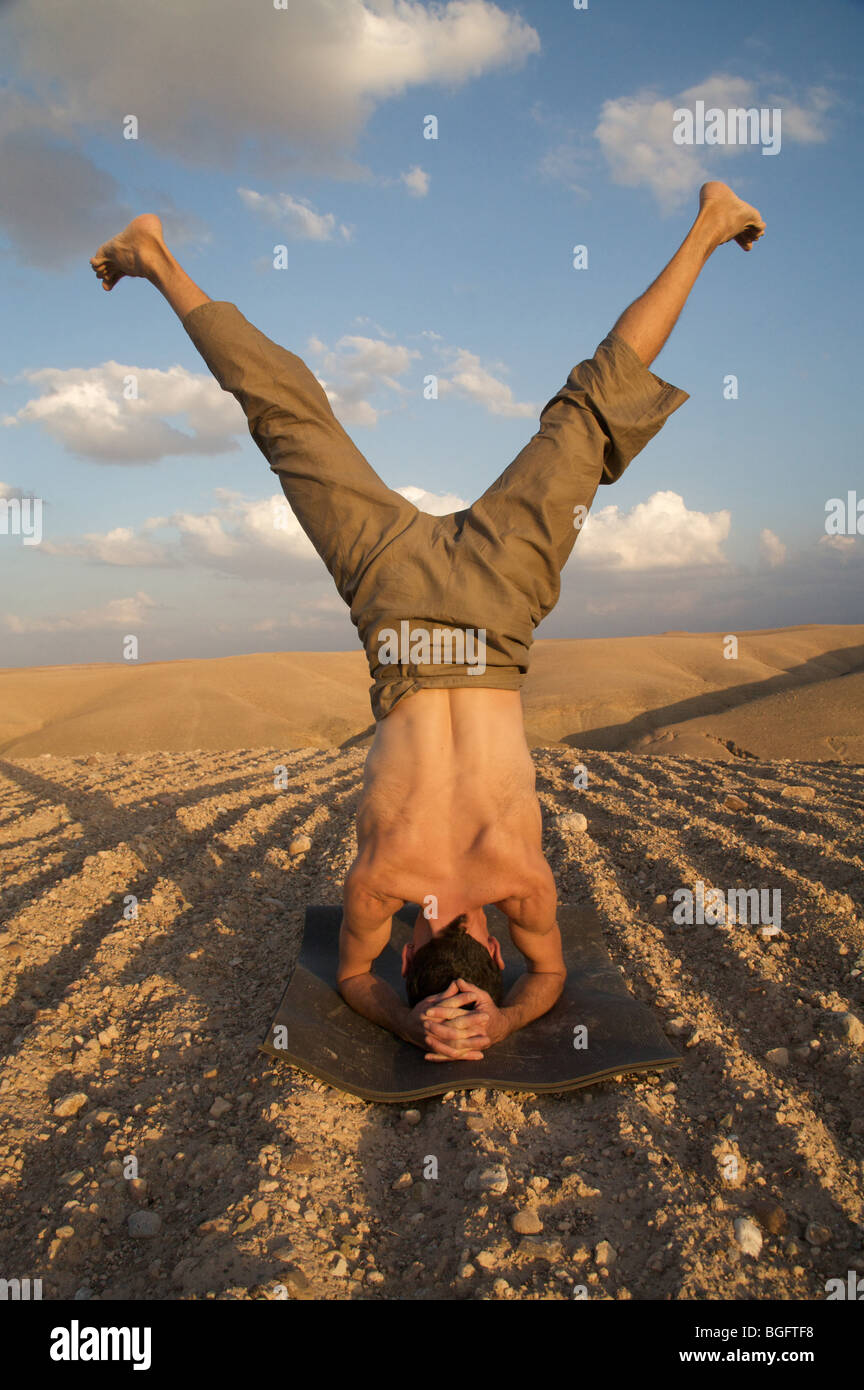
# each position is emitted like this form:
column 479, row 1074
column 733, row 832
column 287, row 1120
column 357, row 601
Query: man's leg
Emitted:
column 610, row 407
column 723, row 217
column 347, row 512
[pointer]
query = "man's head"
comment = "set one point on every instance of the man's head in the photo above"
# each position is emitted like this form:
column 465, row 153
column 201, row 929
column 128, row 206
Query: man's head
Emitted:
column 463, row 949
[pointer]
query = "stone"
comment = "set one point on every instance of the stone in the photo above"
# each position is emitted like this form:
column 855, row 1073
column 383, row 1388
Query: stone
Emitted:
column 677, row 1027
column 734, row 803
column 260, row 1211
column 748, row 1236
column 220, row 1107
column 486, row 1260
column 573, row 823
column 848, row 1027
column 411, row 1117
column 144, row 1224
column 137, row 1188
column 492, row 1180
column 70, row 1104
column 796, row 793
column 605, row 1254
column 527, row 1222
column 770, row 1215
column 340, row 1268
column 300, row 845
column 778, row 1056
column 404, row 1180
column 301, row 1162
column 816, row 1235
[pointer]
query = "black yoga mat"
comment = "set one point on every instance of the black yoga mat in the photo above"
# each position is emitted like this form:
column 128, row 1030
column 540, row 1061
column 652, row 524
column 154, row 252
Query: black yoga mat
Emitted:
column 317, row 1032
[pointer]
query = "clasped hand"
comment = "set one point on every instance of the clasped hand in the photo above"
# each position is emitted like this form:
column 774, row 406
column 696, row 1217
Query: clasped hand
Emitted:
column 457, row 1024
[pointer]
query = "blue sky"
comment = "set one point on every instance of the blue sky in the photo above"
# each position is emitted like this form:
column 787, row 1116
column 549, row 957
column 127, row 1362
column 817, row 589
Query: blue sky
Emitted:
column 407, row 257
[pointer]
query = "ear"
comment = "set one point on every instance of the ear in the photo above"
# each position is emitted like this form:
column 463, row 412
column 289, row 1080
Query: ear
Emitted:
column 495, row 952
column 407, row 953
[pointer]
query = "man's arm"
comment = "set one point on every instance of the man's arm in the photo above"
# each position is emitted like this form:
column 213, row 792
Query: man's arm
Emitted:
column 363, row 935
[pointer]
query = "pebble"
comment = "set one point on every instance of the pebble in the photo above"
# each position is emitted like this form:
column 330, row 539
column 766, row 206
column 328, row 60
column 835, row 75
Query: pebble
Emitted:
column 605, row 1254
column 677, row 1027
column 778, row 1055
column 527, row 1222
column 72, row 1178
column 411, row 1117
column 404, row 1180
column 748, row 1236
column 849, row 1027
column 137, row 1189
column 70, row 1104
column 300, row 844
column 501, row 1287
column 340, row 1268
column 486, row 1260
column 770, row 1216
column 734, row 803
column 492, row 1180
column 260, row 1211
column 768, row 931
column 466, row 1272
column 144, row 1224
column 220, row 1107
column 301, row 1162
column 816, row 1235
column 795, row 793
column 574, row 823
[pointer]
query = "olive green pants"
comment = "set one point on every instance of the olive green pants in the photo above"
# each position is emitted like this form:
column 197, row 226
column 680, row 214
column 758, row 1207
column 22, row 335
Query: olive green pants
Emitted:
column 491, row 571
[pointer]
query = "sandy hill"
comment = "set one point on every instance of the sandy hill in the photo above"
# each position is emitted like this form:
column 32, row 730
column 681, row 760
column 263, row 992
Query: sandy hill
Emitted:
column 794, row 693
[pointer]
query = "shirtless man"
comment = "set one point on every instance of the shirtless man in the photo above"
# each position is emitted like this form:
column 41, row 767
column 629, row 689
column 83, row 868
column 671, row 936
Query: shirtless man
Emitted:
column 448, row 816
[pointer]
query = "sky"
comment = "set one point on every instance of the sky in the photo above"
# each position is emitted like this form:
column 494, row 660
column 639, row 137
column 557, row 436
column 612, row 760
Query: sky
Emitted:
column 133, row 501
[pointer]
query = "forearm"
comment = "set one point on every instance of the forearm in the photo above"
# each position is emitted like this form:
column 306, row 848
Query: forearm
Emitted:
column 374, row 999
column 532, row 995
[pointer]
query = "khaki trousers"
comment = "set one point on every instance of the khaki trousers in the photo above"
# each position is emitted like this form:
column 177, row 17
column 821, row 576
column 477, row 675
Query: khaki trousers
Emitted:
column 494, row 567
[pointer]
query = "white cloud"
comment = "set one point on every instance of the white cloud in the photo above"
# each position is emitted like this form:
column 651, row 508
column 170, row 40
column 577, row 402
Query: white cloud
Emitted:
column 467, row 377
column 355, row 368
column 416, row 180
column 661, row 533
column 436, row 504
column 86, row 410
column 256, row 538
column 635, row 133
column 297, row 218
column 130, row 613
column 773, row 549
column 212, row 79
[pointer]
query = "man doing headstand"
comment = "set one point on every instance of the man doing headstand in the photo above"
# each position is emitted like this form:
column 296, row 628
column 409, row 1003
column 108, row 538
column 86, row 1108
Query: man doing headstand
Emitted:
column 448, row 816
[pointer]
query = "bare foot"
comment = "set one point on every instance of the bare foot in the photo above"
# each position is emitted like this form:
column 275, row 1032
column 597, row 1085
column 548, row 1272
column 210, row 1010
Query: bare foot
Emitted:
column 731, row 218
column 135, row 251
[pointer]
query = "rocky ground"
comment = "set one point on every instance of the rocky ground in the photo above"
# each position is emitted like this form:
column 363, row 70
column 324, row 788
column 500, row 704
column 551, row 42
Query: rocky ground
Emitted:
column 150, row 911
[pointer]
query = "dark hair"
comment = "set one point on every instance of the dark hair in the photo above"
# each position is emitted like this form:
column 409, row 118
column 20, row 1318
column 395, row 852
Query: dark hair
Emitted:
column 451, row 953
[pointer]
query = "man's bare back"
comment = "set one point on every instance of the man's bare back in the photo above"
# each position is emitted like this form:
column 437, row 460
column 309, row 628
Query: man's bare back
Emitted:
column 449, row 819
